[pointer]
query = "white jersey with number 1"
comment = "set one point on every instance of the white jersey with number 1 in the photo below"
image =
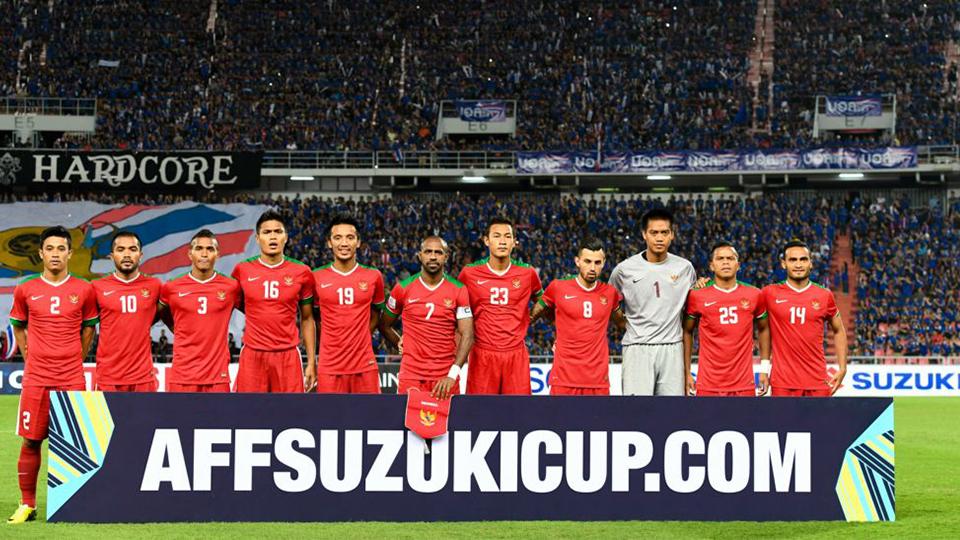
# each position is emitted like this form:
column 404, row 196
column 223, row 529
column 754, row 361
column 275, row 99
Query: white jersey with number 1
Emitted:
column 654, row 295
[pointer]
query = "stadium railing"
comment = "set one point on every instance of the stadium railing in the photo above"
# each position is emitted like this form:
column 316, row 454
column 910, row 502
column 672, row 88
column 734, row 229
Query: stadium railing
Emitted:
column 49, row 106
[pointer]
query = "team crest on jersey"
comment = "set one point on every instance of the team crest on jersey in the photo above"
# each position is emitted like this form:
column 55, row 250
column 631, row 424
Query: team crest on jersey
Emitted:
column 603, row 300
column 428, row 418
column 448, row 302
column 145, row 293
column 745, row 304
column 674, row 277
column 221, row 295
column 74, row 298
column 516, row 283
column 288, row 280
column 815, row 304
column 362, row 285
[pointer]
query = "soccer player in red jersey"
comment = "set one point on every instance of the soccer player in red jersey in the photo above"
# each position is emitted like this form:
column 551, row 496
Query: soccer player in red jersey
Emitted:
column 726, row 311
column 436, row 312
column 798, row 309
column 349, row 298
column 501, row 290
column 200, row 304
column 53, row 318
column 127, row 301
column 275, row 290
column 583, row 306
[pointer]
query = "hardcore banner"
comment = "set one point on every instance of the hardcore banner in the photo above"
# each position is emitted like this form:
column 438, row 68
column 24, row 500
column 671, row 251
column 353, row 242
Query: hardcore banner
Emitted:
column 262, row 457
column 117, row 171
column 854, row 106
column 719, row 161
column 482, row 111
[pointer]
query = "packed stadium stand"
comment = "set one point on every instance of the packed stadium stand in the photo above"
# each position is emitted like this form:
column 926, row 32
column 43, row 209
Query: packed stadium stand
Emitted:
column 332, row 75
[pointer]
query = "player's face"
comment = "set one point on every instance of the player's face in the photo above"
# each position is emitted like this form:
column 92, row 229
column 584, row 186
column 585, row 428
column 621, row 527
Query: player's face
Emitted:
column 126, row 254
column 271, row 237
column 658, row 236
column 500, row 240
column 433, row 257
column 203, row 254
column 344, row 242
column 796, row 261
column 590, row 264
column 55, row 253
column 724, row 264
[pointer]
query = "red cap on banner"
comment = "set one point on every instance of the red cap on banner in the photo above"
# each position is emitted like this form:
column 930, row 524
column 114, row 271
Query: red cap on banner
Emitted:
column 426, row 415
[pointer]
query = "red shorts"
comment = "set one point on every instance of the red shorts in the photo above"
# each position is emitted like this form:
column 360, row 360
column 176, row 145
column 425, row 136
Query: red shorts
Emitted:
column 405, row 383
column 33, row 413
column 799, row 392
column 578, row 391
column 269, row 371
column 366, row 382
column 499, row 372
column 725, row 393
column 199, row 388
column 141, row 387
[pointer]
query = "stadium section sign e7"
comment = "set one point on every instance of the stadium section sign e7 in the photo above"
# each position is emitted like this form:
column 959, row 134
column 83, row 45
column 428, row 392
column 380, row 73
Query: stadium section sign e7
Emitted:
column 119, row 171
column 260, row 457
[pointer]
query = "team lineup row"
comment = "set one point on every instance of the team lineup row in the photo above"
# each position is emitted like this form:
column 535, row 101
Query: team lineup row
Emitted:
column 653, row 297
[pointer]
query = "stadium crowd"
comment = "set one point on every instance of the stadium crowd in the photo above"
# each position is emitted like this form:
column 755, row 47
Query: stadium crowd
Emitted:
column 334, row 75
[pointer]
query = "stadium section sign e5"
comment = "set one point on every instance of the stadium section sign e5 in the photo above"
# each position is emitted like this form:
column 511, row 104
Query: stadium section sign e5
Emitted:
column 119, row 171
column 260, row 457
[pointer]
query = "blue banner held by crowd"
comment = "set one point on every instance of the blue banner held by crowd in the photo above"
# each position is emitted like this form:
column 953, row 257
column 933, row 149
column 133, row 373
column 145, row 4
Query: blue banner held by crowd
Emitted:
column 482, row 111
column 855, row 106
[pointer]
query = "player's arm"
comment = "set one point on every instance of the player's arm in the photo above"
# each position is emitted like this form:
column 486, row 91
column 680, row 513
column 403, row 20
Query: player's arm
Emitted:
column 619, row 319
column 840, row 344
column 375, row 315
column 388, row 331
column 20, row 335
column 540, row 310
column 763, row 337
column 308, row 333
column 164, row 314
column 86, row 341
column 441, row 390
column 689, row 324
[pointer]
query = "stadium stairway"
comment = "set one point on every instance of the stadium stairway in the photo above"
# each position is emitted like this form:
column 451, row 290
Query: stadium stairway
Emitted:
column 846, row 299
column 761, row 61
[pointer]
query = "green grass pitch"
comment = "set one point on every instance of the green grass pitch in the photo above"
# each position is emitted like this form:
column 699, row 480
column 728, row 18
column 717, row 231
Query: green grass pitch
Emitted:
column 928, row 501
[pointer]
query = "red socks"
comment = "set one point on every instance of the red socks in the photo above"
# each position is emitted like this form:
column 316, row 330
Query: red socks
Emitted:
column 28, row 467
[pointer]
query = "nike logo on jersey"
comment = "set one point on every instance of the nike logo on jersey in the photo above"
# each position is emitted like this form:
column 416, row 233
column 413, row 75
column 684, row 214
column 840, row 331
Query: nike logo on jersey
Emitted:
column 108, row 293
column 253, row 278
column 479, row 282
column 638, row 279
column 568, row 297
column 325, row 285
column 412, row 300
column 36, row 297
column 780, row 301
column 184, row 294
column 708, row 304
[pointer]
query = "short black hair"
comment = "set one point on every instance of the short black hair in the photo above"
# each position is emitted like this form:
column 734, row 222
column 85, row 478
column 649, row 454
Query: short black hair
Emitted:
column 722, row 244
column 342, row 219
column 796, row 242
column 655, row 214
column 205, row 233
column 269, row 215
column 57, row 231
column 125, row 234
column 500, row 220
column 591, row 243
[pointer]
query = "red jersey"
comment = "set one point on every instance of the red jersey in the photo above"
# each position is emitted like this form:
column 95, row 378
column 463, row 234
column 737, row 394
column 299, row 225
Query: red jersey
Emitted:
column 430, row 318
column 272, row 296
column 581, row 356
column 726, row 335
column 53, row 314
column 201, row 321
column 796, row 333
column 344, row 301
column 500, row 302
column 127, row 311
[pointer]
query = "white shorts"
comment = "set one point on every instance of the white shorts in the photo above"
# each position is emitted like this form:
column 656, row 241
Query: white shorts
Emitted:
column 653, row 370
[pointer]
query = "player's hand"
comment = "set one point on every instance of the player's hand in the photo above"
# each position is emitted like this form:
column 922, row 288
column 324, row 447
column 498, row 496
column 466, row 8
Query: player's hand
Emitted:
column 400, row 346
column 701, row 282
column 441, row 390
column 310, row 379
column 837, row 380
column 764, row 385
column 691, row 385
